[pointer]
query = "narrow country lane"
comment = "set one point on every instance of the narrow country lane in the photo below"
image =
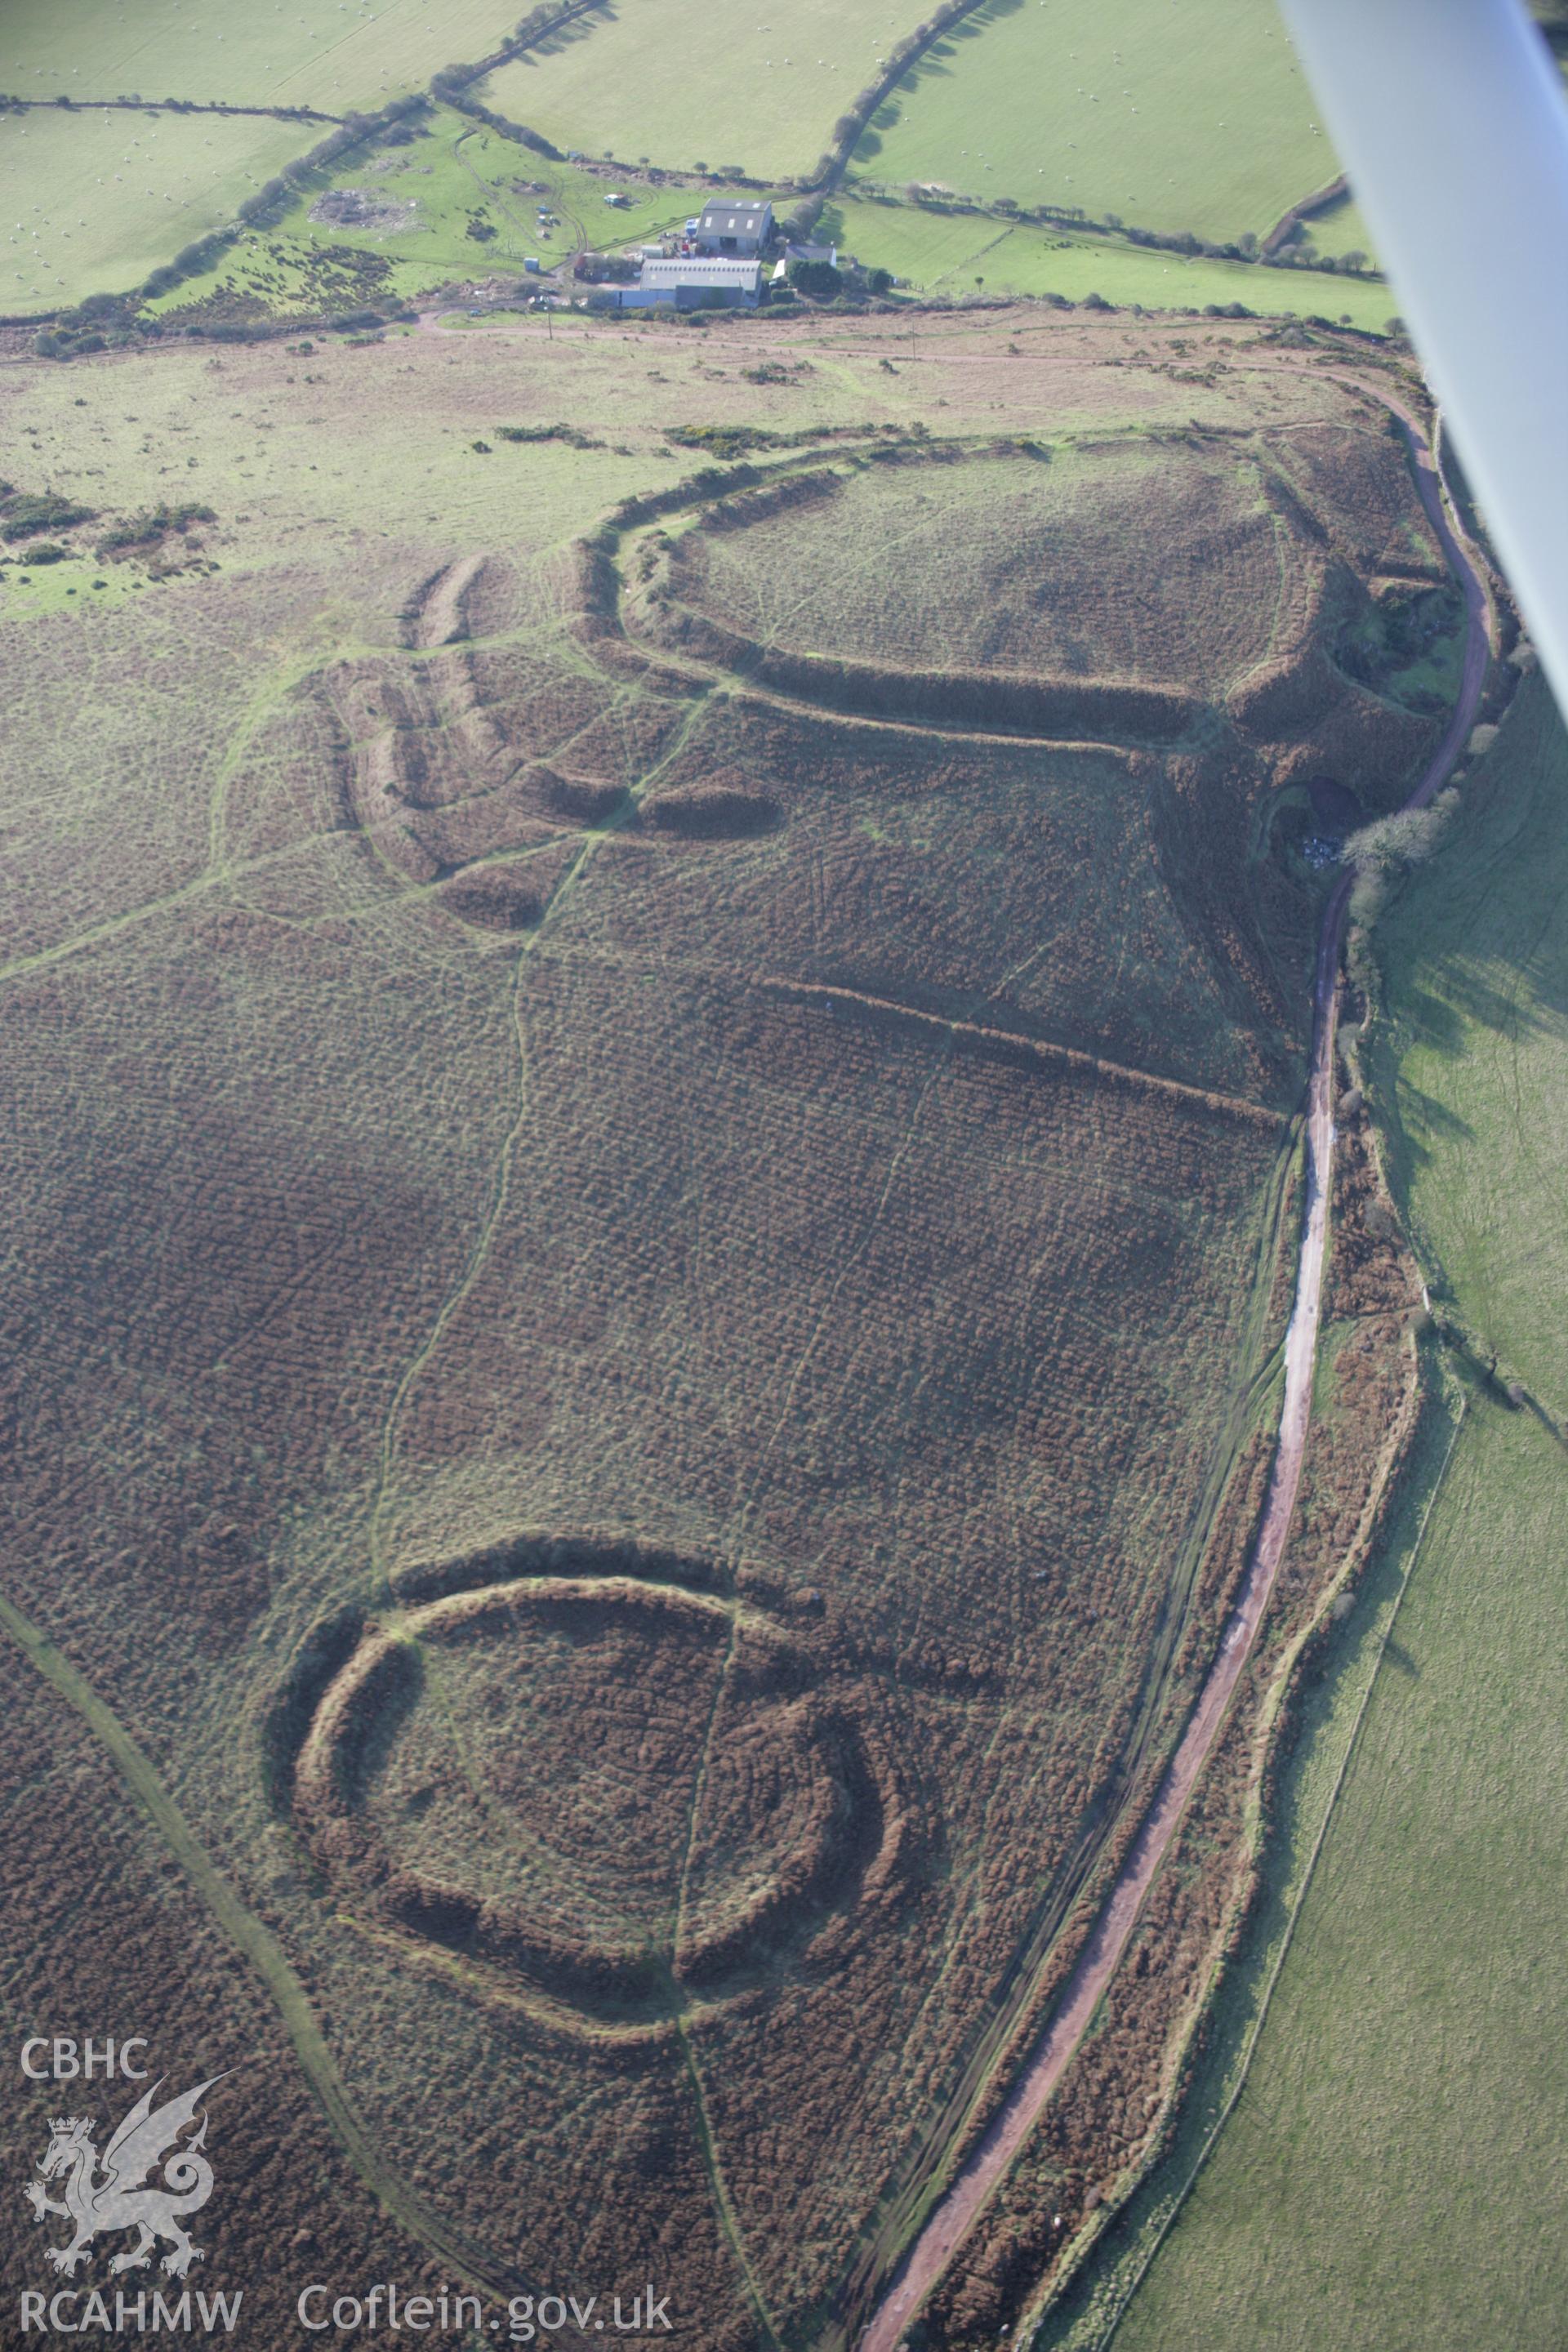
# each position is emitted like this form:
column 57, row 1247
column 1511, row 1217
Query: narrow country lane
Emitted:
column 951, row 2219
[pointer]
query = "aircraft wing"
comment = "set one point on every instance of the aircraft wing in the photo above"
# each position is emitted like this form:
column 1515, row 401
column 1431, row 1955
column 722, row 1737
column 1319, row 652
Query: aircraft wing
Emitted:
column 1452, row 119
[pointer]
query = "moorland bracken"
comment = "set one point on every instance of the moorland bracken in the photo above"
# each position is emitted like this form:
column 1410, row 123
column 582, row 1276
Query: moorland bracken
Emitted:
column 430, row 1166
column 120, row 1945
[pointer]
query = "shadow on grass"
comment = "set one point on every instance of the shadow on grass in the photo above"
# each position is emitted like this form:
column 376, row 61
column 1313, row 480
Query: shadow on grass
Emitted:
column 1470, row 994
column 1423, row 1115
column 931, row 65
column 561, row 37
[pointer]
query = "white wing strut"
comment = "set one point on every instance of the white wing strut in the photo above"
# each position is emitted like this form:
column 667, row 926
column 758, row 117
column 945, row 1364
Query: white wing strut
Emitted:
column 1452, row 122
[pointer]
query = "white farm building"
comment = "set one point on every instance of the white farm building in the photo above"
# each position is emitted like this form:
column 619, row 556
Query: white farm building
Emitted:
column 690, row 282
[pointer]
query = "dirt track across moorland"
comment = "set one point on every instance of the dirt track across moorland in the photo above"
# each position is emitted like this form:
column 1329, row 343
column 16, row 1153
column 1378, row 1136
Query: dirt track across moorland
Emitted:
column 951, row 2219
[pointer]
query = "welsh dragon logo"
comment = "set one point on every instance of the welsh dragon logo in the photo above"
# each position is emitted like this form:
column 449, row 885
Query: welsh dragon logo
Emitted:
column 120, row 2196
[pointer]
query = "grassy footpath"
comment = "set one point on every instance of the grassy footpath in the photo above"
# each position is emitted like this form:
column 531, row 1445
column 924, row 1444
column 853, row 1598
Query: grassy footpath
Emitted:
column 1391, row 2175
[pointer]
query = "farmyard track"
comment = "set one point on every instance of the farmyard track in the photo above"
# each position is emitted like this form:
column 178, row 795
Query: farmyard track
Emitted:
column 954, row 2215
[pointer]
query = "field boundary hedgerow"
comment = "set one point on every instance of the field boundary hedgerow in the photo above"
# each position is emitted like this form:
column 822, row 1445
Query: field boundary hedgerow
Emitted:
column 536, row 26
column 425, row 739
column 456, row 85
column 1461, row 1752
column 1281, row 1749
column 1292, row 218
column 1010, row 214
column 1276, row 1866
column 851, row 128
column 447, row 84
column 14, row 104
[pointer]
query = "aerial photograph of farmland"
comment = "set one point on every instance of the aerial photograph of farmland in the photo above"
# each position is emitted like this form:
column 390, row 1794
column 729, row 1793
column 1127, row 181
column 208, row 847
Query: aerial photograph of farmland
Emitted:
column 784, row 1024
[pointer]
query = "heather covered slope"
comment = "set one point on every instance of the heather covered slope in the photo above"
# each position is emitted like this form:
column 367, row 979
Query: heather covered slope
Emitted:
column 640, row 1231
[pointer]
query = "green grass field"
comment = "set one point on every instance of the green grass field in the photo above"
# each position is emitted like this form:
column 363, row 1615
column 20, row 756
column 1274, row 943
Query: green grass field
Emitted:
column 1480, row 1100
column 653, row 80
column 461, row 171
column 93, row 201
column 1340, row 228
column 114, row 193
column 102, row 197
column 330, row 54
column 954, row 253
column 1173, row 118
column 1390, row 2175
